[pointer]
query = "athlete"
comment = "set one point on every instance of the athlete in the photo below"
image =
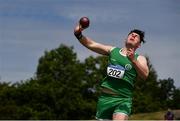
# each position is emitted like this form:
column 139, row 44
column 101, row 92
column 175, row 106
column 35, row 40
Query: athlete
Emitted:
column 125, row 65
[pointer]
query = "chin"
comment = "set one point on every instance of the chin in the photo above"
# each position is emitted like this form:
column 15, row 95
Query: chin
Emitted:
column 129, row 44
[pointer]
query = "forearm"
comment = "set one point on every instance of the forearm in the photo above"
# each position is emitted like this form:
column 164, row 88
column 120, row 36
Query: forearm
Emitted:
column 87, row 42
column 92, row 45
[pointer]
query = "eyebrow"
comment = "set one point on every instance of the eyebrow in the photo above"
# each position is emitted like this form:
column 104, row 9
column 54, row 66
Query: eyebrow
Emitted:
column 135, row 34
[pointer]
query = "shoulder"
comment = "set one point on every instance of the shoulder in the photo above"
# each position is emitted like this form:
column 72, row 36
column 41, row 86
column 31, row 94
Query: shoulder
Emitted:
column 142, row 59
column 114, row 48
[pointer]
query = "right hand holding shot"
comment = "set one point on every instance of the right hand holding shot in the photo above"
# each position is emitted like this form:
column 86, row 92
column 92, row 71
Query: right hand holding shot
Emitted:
column 83, row 24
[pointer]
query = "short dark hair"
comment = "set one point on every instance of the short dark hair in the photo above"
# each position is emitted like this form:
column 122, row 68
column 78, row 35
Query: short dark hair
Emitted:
column 140, row 33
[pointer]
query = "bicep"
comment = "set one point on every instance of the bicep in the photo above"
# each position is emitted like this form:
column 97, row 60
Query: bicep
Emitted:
column 101, row 48
column 142, row 60
column 95, row 46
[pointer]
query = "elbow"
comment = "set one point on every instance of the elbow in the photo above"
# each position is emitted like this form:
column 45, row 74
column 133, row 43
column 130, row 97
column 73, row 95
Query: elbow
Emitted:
column 144, row 76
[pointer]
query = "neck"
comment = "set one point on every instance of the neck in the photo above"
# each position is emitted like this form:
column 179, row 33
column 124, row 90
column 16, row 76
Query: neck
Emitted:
column 125, row 49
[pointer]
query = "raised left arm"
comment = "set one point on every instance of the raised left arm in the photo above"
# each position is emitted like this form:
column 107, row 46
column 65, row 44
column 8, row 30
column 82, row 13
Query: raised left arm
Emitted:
column 140, row 64
column 141, row 67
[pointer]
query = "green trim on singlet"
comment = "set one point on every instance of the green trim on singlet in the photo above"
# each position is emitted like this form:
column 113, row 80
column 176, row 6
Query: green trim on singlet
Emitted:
column 124, row 86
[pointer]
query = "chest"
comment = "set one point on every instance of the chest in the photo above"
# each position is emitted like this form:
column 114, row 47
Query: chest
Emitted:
column 116, row 58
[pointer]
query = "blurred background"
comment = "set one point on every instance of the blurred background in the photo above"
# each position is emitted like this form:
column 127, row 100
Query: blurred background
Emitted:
column 45, row 73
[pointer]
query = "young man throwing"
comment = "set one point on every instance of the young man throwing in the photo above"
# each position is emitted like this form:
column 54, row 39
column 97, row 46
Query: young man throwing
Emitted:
column 124, row 67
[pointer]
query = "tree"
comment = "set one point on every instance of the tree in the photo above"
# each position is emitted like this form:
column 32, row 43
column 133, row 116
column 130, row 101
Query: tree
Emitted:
column 167, row 89
column 176, row 99
column 7, row 105
column 65, row 88
column 65, row 76
column 95, row 70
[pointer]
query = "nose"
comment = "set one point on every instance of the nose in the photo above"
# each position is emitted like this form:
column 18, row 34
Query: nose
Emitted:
column 134, row 35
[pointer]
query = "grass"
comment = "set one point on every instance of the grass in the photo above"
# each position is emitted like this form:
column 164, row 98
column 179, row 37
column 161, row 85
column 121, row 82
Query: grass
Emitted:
column 153, row 116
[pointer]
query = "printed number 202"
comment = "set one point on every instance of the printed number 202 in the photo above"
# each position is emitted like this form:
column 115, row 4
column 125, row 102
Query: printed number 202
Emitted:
column 114, row 73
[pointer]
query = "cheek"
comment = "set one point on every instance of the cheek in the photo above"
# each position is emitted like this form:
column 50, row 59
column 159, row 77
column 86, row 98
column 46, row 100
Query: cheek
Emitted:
column 137, row 40
column 128, row 38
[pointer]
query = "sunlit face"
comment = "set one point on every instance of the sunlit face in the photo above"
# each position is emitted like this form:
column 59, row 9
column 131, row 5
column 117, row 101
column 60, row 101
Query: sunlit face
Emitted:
column 133, row 40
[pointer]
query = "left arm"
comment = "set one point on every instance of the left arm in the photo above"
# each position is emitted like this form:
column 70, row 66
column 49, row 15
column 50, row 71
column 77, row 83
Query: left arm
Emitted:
column 141, row 67
column 140, row 64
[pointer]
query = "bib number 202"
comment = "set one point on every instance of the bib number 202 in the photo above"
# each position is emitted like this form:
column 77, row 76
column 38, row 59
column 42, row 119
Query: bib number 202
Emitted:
column 115, row 72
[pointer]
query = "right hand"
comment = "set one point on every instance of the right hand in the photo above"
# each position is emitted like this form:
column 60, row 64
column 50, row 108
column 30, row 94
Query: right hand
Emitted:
column 78, row 29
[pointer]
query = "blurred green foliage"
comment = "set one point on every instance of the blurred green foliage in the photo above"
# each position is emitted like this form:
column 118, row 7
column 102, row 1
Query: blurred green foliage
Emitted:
column 65, row 88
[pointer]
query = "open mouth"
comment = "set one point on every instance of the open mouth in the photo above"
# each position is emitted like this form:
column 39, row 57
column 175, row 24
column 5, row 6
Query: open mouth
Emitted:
column 131, row 39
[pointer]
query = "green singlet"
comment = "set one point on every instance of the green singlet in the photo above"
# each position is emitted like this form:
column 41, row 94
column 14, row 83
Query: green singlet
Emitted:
column 120, row 79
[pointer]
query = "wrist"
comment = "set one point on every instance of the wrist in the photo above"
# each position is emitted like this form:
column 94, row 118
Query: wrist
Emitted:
column 78, row 35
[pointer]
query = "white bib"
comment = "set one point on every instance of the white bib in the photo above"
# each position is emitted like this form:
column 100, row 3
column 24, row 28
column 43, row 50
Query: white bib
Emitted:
column 115, row 71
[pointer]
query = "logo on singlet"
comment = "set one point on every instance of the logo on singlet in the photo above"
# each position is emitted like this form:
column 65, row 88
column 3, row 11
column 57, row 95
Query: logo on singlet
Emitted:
column 128, row 67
